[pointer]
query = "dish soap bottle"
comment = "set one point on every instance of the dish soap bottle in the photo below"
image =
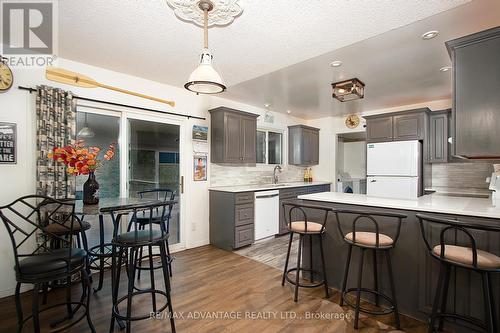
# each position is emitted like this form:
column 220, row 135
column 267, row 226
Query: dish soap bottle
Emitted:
column 306, row 175
column 310, row 175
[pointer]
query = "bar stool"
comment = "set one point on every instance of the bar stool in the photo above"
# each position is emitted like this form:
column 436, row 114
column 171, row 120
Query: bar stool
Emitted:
column 125, row 247
column 304, row 228
column 369, row 240
column 26, row 220
column 437, row 233
column 143, row 220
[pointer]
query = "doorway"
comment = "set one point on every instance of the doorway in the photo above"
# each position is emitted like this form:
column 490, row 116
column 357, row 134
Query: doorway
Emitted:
column 351, row 162
column 148, row 156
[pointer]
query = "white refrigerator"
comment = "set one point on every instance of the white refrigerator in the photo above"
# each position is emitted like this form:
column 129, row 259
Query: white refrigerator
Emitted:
column 394, row 169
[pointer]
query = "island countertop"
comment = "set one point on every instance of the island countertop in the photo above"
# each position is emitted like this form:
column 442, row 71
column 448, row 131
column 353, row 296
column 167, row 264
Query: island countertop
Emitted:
column 432, row 203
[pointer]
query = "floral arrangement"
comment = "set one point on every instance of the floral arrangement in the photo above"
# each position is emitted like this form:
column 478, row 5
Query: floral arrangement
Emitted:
column 80, row 159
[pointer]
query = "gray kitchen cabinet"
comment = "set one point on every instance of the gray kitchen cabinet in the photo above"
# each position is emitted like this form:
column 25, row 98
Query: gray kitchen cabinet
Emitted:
column 231, row 219
column 292, row 193
column 409, row 126
column 438, row 136
column 476, row 101
column 397, row 126
column 379, row 129
column 233, row 136
column 303, row 145
column 232, row 215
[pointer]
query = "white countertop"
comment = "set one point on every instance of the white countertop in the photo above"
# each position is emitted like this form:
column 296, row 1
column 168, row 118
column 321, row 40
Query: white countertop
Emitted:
column 264, row 187
column 428, row 203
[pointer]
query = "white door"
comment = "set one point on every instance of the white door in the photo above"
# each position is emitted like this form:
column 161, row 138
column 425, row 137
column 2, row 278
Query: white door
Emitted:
column 393, row 187
column 399, row 158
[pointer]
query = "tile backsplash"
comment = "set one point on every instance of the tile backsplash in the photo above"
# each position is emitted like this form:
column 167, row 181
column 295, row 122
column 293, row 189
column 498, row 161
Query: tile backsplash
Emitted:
column 227, row 175
column 461, row 177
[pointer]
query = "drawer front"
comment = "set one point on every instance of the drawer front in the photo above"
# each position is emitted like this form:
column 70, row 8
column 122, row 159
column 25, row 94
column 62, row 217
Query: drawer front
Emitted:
column 319, row 189
column 243, row 214
column 287, row 193
column 243, row 235
column 243, row 198
column 300, row 191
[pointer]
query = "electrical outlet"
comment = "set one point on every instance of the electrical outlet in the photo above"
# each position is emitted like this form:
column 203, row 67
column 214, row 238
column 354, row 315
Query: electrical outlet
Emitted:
column 193, row 227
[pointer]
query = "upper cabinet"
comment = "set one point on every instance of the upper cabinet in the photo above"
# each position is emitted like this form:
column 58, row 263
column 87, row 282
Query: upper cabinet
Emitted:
column 399, row 126
column 438, row 136
column 233, row 136
column 476, row 98
column 303, row 145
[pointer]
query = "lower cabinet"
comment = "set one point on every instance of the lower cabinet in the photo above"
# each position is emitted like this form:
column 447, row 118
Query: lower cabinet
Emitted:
column 232, row 220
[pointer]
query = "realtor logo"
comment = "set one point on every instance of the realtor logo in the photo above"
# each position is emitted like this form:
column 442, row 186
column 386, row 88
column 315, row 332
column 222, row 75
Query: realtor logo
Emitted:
column 28, row 28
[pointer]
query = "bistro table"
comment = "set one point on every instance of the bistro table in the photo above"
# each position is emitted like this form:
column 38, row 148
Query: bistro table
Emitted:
column 101, row 253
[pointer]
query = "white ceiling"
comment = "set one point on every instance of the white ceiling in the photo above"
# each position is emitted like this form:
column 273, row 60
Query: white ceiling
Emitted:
column 398, row 68
column 144, row 38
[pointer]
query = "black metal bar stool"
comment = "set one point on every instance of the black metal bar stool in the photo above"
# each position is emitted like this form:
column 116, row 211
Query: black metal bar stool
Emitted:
column 443, row 242
column 26, row 221
column 143, row 221
column 126, row 245
column 298, row 223
column 369, row 239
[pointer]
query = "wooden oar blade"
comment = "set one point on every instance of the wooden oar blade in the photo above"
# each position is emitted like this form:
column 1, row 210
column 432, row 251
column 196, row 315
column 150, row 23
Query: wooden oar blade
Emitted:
column 68, row 77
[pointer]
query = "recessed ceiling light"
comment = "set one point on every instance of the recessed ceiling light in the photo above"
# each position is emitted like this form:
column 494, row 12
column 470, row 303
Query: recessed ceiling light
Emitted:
column 430, row 34
column 336, row 63
column 288, row 111
column 267, row 105
column 445, row 69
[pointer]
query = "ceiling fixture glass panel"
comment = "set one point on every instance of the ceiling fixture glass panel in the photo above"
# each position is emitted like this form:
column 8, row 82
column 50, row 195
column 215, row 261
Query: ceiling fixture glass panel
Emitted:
column 348, row 90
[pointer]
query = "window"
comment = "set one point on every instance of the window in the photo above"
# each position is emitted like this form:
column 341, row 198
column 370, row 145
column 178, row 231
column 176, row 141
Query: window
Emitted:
column 269, row 147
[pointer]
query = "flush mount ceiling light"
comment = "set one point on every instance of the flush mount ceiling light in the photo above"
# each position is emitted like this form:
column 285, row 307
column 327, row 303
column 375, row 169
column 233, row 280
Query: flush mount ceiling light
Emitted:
column 205, row 79
column 445, row 69
column 336, row 63
column 430, row 34
column 348, row 90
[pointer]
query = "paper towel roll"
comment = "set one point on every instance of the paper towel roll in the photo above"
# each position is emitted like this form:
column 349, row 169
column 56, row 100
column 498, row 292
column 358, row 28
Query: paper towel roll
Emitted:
column 496, row 167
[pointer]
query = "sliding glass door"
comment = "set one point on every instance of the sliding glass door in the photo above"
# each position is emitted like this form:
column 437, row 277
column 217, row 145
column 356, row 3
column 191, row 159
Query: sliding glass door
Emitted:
column 154, row 162
column 148, row 156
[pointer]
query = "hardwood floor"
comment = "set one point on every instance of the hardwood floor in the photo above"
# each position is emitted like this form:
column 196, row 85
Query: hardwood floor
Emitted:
column 221, row 286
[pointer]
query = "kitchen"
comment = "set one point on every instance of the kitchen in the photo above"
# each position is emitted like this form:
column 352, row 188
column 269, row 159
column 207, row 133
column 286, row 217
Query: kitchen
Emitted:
column 306, row 190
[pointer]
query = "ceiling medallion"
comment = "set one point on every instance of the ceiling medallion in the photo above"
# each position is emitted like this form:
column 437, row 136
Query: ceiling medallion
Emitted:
column 222, row 13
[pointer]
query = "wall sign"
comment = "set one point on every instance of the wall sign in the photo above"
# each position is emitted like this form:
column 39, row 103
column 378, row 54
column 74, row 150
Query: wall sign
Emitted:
column 8, row 152
column 200, row 133
column 199, row 168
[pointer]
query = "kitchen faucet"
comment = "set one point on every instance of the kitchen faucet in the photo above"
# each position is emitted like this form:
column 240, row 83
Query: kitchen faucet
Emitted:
column 275, row 176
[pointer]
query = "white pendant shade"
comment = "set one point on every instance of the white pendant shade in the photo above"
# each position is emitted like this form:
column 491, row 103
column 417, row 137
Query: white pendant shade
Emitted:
column 205, row 79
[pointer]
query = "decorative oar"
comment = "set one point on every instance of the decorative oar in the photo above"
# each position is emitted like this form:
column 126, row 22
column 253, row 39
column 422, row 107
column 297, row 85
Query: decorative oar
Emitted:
column 75, row 79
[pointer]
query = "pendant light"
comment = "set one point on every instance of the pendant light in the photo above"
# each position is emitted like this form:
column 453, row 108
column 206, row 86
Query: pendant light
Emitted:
column 86, row 132
column 205, row 79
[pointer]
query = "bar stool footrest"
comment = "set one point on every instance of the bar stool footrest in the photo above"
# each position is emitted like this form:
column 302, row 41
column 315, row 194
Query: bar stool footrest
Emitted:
column 310, row 285
column 468, row 319
column 385, row 311
column 118, row 316
column 146, row 267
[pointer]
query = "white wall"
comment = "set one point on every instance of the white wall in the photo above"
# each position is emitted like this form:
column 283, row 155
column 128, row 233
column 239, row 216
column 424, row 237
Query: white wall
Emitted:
column 18, row 106
column 354, row 159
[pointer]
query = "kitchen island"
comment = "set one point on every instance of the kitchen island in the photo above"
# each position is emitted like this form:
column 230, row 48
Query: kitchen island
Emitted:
column 415, row 271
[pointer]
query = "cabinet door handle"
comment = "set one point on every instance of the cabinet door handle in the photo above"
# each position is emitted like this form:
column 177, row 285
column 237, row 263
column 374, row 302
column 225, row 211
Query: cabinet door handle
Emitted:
column 373, row 181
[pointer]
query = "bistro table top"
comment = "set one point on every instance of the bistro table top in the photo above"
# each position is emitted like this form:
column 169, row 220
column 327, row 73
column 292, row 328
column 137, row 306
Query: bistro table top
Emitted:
column 107, row 203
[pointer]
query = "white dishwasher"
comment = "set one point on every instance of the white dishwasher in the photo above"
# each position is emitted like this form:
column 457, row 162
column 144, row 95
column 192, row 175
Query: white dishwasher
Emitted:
column 267, row 206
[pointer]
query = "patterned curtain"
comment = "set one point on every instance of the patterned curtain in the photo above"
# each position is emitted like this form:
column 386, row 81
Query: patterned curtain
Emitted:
column 56, row 127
